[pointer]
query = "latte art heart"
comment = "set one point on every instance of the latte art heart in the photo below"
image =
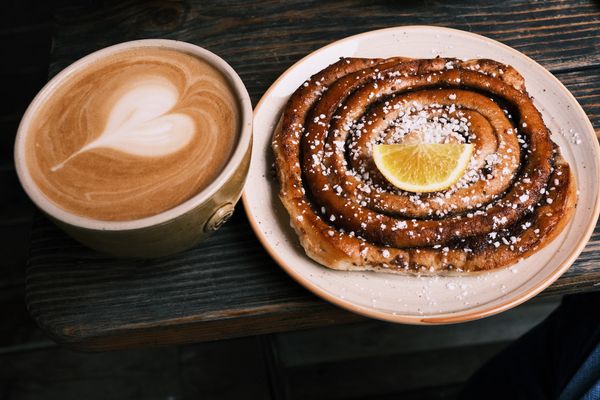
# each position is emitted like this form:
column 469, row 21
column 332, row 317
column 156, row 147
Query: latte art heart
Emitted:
column 133, row 135
column 141, row 123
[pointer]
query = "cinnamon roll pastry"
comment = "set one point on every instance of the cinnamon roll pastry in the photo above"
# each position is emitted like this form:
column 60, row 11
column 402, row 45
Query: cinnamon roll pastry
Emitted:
column 515, row 196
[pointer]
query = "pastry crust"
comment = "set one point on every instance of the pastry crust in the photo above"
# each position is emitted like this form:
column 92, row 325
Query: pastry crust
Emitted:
column 517, row 196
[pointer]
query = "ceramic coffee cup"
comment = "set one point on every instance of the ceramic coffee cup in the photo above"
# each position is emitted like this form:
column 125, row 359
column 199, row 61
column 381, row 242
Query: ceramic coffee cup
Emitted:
column 167, row 232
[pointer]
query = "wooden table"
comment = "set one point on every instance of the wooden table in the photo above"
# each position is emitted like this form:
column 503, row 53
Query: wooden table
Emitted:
column 228, row 286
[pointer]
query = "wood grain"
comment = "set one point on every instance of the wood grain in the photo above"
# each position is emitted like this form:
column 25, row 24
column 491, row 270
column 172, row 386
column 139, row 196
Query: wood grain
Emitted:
column 261, row 39
column 228, row 286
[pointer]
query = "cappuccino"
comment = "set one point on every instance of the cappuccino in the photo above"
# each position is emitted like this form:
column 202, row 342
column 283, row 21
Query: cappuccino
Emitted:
column 133, row 134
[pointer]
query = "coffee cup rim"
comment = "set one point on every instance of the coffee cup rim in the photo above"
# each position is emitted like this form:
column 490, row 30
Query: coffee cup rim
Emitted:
column 236, row 158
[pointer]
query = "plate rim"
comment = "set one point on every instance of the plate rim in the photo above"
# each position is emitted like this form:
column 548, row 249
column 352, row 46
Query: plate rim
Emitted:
column 447, row 318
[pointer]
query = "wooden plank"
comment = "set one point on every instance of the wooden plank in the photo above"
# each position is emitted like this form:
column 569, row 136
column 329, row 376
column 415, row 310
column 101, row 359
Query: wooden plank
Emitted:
column 228, row 286
column 584, row 86
column 262, row 39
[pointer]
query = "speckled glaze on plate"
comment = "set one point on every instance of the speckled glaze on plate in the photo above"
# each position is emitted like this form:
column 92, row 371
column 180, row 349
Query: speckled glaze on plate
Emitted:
column 427, row 300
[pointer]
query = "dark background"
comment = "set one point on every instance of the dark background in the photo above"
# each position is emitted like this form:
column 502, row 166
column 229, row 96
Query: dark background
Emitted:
column 25, row 41
column 367, row 360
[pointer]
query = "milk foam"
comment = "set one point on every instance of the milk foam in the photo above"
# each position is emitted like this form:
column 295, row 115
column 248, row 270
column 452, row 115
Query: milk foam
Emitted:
column 140, row 122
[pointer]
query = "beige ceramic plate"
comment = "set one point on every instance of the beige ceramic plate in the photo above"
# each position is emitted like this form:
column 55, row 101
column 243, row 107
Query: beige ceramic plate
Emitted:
column 427, row 300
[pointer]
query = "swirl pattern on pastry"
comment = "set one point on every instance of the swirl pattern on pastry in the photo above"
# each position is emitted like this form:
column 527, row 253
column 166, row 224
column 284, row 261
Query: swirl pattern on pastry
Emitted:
column 516, row 195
